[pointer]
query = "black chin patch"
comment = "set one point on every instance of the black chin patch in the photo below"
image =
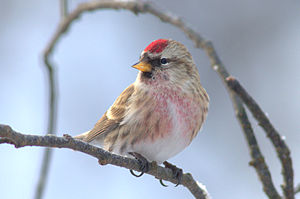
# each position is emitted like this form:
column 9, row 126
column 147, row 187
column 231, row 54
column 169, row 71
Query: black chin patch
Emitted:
column 147, row 74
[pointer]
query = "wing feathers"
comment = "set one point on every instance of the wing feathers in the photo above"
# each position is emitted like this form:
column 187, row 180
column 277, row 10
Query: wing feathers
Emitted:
column 113, row 117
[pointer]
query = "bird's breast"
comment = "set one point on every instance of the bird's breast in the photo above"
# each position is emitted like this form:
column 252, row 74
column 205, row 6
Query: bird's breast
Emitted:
column 180, row 113
column 168, row 120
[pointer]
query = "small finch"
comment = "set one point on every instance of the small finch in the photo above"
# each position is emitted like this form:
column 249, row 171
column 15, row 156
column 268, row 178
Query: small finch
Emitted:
column 158, row 115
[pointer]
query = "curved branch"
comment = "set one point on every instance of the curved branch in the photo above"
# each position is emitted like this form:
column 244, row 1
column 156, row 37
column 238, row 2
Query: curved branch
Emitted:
column 281, row 148
column 51, row 126
column 258, row 161
column 7, row 135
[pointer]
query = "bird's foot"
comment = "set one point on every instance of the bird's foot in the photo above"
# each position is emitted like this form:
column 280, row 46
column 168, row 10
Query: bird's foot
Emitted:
column 177, row 173
column 144, row 164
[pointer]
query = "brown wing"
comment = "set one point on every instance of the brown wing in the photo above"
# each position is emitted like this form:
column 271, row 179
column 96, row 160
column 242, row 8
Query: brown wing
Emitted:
column 112, row 117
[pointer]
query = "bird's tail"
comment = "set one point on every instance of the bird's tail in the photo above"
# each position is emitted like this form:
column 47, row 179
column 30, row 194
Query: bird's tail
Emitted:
column 82, row 136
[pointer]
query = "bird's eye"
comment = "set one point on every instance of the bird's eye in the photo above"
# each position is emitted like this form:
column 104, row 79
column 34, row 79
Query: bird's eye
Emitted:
column 163, row 61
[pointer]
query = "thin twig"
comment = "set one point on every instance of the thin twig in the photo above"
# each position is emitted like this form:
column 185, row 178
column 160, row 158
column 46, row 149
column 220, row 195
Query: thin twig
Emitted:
column 257, row 161
column 51, row 117
column 281, row 148
column 104, row 157
column 63, row 8
column 50, row 129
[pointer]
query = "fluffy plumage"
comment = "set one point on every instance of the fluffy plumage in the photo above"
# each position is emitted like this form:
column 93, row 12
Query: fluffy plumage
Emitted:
column 161, row 112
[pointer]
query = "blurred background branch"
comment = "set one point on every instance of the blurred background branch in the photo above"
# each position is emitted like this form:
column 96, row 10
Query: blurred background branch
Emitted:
column 257, row 161
column 53, row 92
column 63, row 8
column 281, row 148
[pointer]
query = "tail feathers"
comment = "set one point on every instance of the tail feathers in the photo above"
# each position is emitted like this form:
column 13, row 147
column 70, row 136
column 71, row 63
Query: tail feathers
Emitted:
column 82, row 136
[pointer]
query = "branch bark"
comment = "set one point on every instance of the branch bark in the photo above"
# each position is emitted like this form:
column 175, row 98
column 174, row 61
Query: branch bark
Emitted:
column 9, row 136
column 281, row 148
column 258, row 161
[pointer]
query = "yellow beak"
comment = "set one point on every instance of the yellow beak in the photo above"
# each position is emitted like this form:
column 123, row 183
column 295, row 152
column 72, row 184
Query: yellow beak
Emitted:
column 143, row 66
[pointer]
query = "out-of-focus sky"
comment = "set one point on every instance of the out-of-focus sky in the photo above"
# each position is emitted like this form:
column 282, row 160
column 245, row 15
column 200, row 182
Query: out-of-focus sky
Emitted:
column 258, row 41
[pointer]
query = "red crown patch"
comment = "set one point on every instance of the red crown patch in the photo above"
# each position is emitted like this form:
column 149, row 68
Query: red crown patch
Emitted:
column 157, row 46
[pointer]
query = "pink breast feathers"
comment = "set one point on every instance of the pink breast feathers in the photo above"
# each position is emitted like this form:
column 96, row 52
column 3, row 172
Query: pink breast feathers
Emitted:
column 177, row 112
column 187, row 112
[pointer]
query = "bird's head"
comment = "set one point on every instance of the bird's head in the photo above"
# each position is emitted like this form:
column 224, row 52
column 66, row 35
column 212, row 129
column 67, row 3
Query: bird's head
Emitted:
column 168, row 62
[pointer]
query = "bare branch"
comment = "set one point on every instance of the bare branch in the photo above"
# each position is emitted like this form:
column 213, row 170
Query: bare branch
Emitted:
column 51, row 116
column 7, row 135
column 7, row 141
column 50, row 129
column 135, row 7
column 281, row 148
column 257, row 161
column 63, row 8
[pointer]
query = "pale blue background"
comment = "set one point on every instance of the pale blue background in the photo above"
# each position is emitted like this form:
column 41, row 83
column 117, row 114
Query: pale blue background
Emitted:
column 259, row 42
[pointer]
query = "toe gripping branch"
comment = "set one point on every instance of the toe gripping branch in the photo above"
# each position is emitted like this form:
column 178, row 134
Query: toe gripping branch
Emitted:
column 177, row 173
column 144, row 167
column 144, row 164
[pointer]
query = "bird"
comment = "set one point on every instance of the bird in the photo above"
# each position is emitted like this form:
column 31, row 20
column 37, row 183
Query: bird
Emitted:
column 158, row 115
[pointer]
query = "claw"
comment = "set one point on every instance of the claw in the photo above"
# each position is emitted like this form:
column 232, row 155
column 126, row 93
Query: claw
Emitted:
column 144, row 164
column 139, row 175
column 177, row 172
column 162, row 183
